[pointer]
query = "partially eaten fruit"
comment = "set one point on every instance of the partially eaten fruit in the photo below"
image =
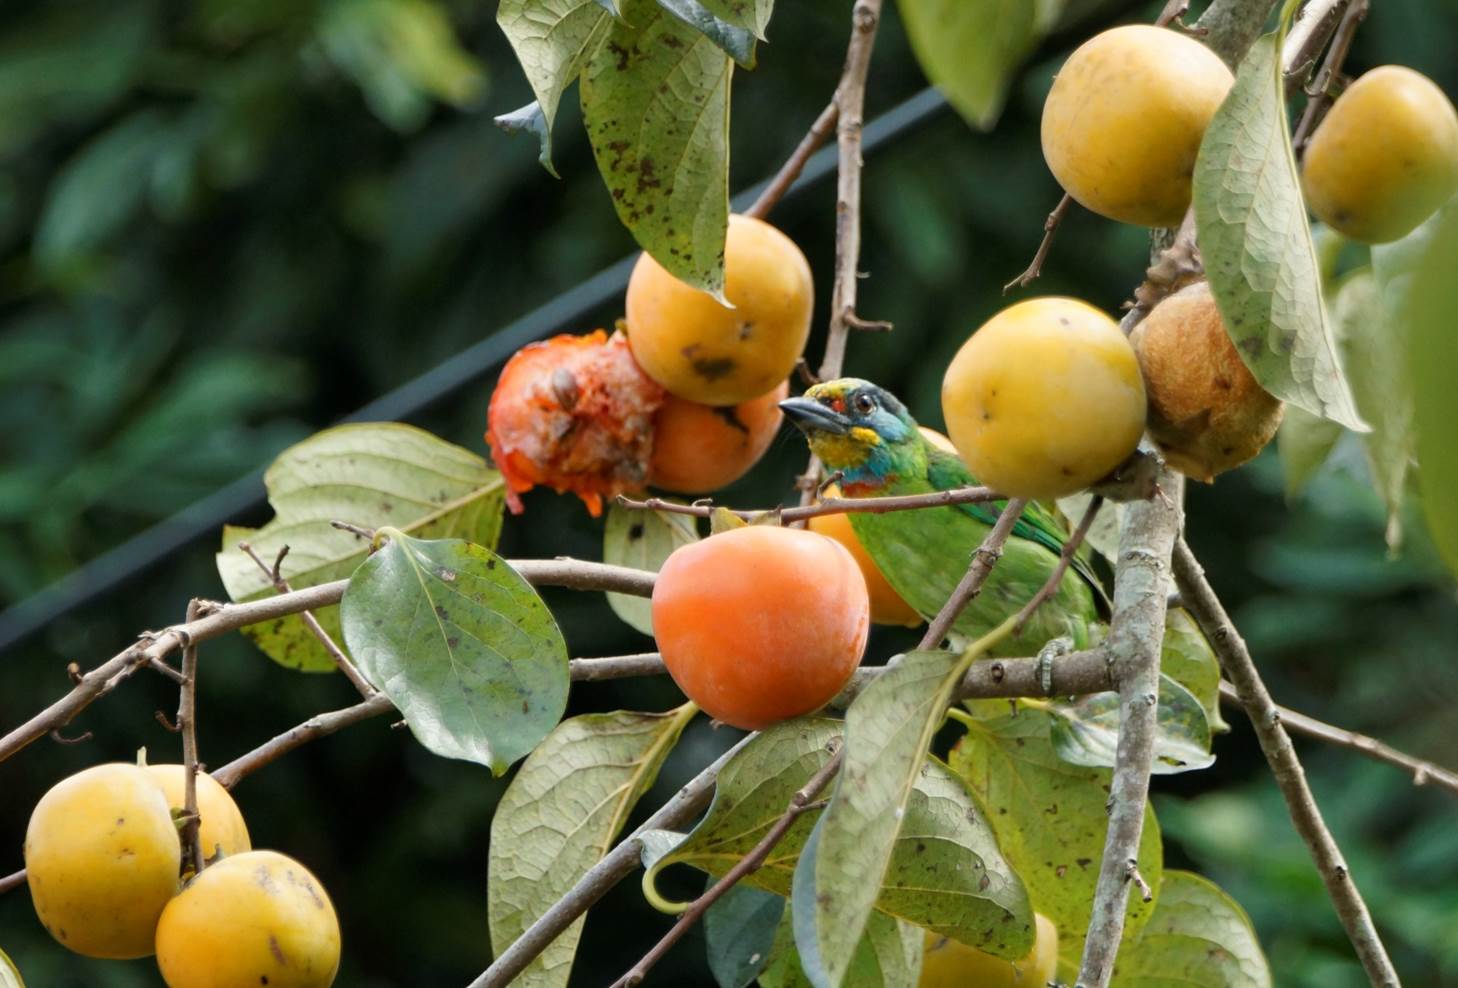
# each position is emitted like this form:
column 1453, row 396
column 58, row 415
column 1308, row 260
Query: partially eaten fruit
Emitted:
column 574, row 413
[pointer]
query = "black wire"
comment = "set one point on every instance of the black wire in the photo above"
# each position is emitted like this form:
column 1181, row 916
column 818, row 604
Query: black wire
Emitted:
column 203, row 518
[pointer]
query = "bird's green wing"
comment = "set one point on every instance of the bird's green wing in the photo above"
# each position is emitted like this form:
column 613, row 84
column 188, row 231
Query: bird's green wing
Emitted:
column 1038, row 524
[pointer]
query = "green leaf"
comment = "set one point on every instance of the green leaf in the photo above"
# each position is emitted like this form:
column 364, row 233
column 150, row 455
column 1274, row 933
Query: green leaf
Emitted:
column 371, row 475
column 1050, row 819
column 888, row 956
column 1257, row 246
column 1085, row 731
column 1186, row 657
column 642, row 540
column 969, row 48
column 739, row 932
column 9, row 973
column 1433, row 366
column 1375, row 348
column 530, row 120
column 558, row 817
column 945, row 871
column 1304, row 441
column 461, row 643
column 754, row 15
column 888, row 729
column 554, row 40
column 403, row 54
column 1198, row 937
column 656, row 104
column 735, row 41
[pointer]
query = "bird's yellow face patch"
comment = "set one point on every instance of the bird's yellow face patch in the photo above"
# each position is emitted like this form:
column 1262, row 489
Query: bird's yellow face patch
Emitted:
column 845, row 452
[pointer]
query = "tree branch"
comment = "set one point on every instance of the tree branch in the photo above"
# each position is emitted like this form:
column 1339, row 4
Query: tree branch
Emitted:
column 830, row 506
column 801, row 801
column 1065, row 559
column 616, row 865
column 1423, row 772
column 220, row 619
column 1265, row 717
column 813, row 140
column 850, row 102
column 983, row 559
column 1319, row 98
column 1135, row 635
column 1050, row 230
column 187, row 724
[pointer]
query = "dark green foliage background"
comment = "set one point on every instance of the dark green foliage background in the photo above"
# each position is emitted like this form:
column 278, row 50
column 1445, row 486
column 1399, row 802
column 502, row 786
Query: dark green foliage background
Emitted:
column 226, row 223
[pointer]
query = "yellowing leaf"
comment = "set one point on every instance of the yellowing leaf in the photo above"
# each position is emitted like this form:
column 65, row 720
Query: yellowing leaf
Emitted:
column 1257, row 246
column 371, row 475
column 1198, row 937
column 560, row 814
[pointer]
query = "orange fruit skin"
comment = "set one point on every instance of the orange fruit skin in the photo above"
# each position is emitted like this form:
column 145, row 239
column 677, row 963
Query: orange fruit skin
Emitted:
column 700, row 349
column 761, row 623
column 701, row 448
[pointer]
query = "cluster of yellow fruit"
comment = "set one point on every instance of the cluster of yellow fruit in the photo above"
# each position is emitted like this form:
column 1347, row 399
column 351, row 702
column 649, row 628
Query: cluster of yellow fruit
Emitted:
column 105, row 868
column 1124, row 119
column 686, row 400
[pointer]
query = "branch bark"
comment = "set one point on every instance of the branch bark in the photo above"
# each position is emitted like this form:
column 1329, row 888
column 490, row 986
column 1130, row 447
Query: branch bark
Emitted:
column 1135, row 636
column 1423, row 772
column 828, row 506
column 1200, row 600
column 222, row 618
column 187, row 724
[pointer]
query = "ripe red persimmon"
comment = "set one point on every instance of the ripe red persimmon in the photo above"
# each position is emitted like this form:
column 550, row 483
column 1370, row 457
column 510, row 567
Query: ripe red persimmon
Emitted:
column 761, row 623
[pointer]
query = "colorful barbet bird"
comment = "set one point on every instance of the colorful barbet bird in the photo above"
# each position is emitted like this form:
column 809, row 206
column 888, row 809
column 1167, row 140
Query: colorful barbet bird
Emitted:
column 865, row 434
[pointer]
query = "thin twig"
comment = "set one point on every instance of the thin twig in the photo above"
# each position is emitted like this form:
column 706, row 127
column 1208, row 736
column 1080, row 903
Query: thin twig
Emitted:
column 616, row 865
column 1423, row 772
column 829, row 506
column 813, row 140
column 574, row 574
column 983, row 559
column 1135, row 634
column 341, row 660
column 1065, row 559
column 368, row 534
column 1319, row 90
column 12, row 881
column 850, row 102
column 1050, row 230
column 1265, row 717
column 801, row 801
column 318, row 726
column 187, row 724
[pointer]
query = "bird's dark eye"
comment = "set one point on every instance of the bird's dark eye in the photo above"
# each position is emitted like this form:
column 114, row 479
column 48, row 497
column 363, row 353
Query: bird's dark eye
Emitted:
column 865, row 404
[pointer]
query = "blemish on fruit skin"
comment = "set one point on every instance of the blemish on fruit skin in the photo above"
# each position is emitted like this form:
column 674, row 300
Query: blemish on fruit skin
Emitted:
column 277, row 951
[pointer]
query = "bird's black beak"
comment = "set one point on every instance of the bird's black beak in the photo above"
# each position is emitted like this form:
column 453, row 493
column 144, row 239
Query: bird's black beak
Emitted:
column 811, row 416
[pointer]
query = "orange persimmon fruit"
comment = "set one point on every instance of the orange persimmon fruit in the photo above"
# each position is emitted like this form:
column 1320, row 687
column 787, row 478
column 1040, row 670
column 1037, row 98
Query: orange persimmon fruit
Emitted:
column 701, row 448
column 761, row 623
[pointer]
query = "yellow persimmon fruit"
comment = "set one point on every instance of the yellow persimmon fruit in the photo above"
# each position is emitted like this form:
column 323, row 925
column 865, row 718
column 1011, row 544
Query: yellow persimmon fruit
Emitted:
column 949, row 964
column 1207, row 414
column 257, row 918
column 1123, row 122
column 704, row 351
column 102, row 858
column 1044, row 399
column 1385, row 158
column 887, row 606
column 221, row 829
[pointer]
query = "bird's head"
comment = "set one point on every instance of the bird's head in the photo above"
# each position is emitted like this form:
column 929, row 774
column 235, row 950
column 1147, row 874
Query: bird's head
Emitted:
column 858, row 429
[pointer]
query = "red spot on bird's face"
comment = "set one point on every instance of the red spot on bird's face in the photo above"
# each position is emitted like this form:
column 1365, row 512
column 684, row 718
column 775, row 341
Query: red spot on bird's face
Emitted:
column 837, row 405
